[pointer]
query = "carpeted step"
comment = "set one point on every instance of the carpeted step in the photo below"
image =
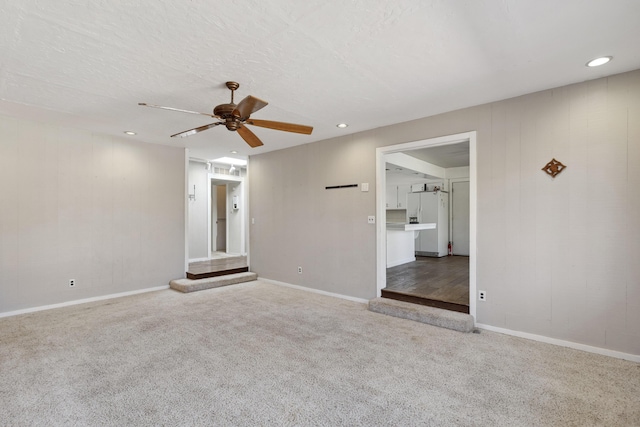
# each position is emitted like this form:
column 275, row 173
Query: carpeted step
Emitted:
column 421, row 313
column 188, row 285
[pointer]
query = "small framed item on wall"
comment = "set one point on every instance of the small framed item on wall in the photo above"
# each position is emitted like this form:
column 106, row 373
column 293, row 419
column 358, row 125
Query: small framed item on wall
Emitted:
column 553, row 168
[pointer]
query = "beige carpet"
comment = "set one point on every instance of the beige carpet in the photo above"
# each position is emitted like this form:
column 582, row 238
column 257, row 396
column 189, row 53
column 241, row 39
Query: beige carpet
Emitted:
column 259, row 354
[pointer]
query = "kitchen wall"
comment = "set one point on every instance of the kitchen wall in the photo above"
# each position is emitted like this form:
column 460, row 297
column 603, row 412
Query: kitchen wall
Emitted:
column 397, row 215
column 107, row 212
column 557, row 257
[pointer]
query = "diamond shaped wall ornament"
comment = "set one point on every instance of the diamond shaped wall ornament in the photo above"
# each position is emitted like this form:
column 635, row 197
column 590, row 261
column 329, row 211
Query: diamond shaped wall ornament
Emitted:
column 553, row 168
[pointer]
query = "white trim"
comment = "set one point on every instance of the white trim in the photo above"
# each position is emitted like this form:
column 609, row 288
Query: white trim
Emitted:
column 381, row 223
column 473, row 222
column 82, row 301
column 247, row 215
column 186, row 210
column 381, row 213
column 198, row 259
column 562, row 343
column 210, row 250
column 315, row 291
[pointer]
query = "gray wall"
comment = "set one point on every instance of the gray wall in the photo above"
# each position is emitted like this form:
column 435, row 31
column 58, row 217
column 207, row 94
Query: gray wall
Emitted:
column 104, row 211
column 198, row 211
column 299, row 223
column 557, row 257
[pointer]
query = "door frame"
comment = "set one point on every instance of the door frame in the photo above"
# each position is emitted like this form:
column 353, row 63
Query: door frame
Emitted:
column 381, row 212
column 228, row 179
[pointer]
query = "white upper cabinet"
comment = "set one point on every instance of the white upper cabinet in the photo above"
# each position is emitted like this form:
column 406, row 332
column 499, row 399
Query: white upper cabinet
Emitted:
column 392, row 197
column 397, row 196
column 403, row 190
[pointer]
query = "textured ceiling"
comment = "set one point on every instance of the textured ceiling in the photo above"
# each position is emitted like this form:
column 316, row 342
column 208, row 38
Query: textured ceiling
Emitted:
column 367, row 63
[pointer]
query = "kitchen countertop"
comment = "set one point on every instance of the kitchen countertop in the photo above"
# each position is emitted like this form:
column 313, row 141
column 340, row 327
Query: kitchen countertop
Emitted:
column 410, row 227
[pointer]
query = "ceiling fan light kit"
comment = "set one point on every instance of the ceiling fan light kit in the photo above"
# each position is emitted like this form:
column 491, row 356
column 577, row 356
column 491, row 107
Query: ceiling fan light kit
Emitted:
column 236, row 117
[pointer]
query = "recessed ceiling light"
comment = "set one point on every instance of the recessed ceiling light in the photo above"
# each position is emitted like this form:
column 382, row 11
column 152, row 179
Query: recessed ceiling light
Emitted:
column 342, row 125
column 599, row 61
column 234, row 152
column 129, row 132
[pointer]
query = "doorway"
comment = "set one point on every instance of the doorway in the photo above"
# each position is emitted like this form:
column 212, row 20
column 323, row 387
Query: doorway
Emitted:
column 227, row 217
column 437, row 266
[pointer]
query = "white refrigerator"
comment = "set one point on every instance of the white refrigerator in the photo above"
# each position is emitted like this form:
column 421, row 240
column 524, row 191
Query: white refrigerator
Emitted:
column 428, row 207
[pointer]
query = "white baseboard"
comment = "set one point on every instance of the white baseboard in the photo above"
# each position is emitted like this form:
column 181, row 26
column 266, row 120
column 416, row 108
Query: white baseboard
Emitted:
column 315, row 291
column 82, row 301
column 563, row 343
column 400, row 262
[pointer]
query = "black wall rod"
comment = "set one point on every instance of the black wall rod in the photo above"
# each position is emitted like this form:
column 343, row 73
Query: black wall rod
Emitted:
column 340, row 186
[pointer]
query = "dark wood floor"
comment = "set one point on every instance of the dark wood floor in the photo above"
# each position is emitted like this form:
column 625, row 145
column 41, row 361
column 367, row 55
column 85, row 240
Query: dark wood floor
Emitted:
column 438, row 282
column 217, row 267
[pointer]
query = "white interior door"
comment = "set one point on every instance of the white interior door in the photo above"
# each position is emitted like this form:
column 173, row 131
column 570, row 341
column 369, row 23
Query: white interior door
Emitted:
column 460, row 217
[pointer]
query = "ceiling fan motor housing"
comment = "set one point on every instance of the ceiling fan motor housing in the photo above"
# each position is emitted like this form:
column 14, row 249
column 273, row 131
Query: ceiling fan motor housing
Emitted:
column 224, row 111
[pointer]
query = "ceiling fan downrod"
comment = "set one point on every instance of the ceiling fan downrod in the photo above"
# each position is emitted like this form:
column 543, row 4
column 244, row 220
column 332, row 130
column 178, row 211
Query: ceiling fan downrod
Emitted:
column 232, row 86
column 225, row 111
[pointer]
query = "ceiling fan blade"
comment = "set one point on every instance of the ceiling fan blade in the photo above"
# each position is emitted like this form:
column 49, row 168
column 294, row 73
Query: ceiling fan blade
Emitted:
column 287, row 127
column 248, row 106
column 174, row 109
column 196, row 130
column 249, row 137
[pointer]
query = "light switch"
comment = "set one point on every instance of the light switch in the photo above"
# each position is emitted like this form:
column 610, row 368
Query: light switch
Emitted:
column 365, row 186
column 371, row 219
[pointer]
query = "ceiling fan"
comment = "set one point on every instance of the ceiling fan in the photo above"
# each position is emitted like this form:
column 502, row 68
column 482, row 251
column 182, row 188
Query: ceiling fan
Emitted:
column 236, row 117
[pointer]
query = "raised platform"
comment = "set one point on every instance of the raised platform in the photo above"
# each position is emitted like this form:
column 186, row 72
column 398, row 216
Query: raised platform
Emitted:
column 415, row 299
column 189, row 285
column 217, row 267
column 423, row 314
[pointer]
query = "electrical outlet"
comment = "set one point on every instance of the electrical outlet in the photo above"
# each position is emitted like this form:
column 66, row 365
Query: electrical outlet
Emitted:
column 72, row 283
column 482, row 295
column 299, row 270
column 371, row 219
